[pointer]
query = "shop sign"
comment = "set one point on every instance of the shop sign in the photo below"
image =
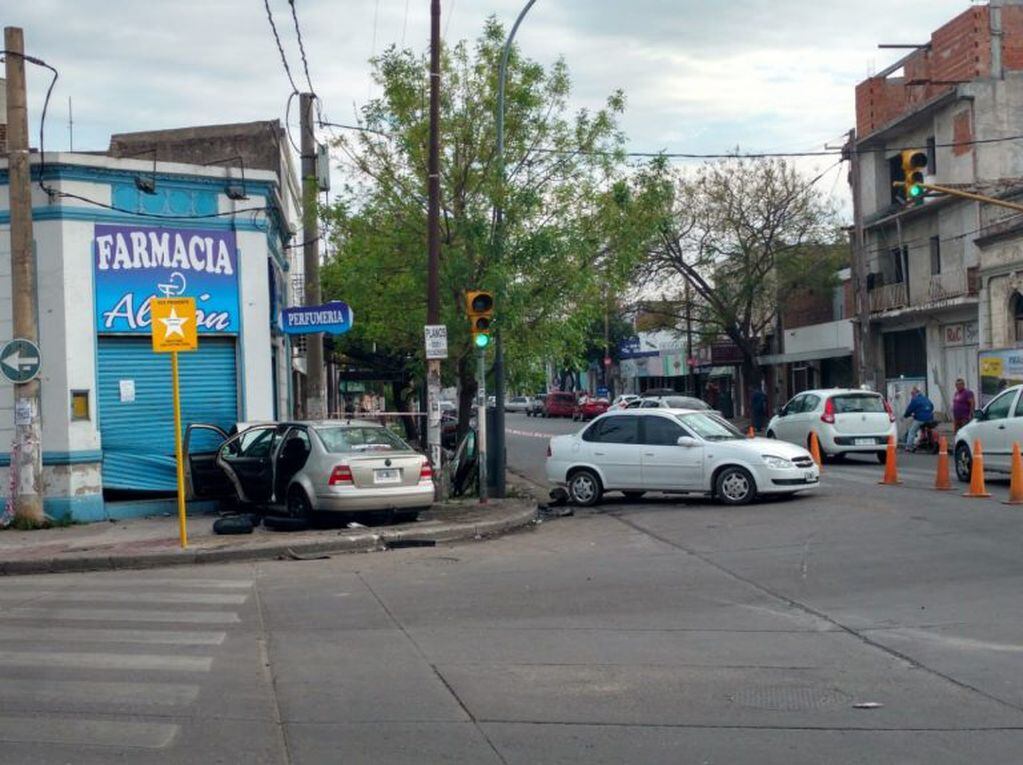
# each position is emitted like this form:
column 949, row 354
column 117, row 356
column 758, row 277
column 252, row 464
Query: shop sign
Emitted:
column 999, row 369
column 134, row 264
column 334, row 318
column 954, row 334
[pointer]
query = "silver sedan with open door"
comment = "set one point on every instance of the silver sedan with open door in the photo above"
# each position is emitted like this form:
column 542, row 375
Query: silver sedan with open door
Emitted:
column 348, row 466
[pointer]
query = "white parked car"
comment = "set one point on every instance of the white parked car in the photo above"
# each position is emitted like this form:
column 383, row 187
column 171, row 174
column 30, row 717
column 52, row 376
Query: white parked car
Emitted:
column 517, row 404
column 846, row 421
column 622, row 401
column 675, row 451
column 996, row 426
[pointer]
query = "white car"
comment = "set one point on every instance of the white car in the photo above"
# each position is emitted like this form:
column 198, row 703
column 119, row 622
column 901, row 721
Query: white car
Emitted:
column 996, row 426
column 517, row 404
column 846, row 421
column 622, row 401
column 675, row 451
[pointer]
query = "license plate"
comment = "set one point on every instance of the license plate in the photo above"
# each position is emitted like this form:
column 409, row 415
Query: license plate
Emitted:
column 863, row 441
column 390, row 475
column 810, row 477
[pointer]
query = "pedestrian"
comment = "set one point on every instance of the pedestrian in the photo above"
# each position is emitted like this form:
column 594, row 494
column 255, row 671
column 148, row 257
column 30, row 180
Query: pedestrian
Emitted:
column 710, row 395
column 963, row 404
column 921, row 410
column 758, row 406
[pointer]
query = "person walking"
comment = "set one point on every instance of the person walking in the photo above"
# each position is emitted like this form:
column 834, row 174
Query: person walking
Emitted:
column 921, row 410
column 963, row 404
column 758, row 405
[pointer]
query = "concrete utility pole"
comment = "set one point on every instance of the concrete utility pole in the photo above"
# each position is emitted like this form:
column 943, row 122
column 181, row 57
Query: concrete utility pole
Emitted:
column 866, row 348
column 27, row 459
column 433, row 241
column 312, row 392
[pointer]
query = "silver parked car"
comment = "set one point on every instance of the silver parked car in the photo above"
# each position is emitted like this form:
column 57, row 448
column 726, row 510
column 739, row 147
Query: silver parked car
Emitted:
column 517, row 404
column 308, row 467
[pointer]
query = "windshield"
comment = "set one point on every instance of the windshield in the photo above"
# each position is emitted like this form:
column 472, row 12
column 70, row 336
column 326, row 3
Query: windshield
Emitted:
column 857, row 402
column 708, row 427
column 360, row 439
column 684, row 402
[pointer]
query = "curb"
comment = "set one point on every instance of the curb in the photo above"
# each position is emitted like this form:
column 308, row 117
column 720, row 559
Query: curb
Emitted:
column 511, row 520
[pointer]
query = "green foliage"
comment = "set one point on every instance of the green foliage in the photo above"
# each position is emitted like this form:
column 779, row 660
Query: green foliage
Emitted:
column 568, row 216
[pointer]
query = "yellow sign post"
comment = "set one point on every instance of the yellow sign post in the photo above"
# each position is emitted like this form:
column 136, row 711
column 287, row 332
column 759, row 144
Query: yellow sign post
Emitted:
column 174, row 329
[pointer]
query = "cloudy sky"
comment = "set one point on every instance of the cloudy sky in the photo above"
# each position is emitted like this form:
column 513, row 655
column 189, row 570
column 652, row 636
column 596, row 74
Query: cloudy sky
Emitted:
column 700, row 76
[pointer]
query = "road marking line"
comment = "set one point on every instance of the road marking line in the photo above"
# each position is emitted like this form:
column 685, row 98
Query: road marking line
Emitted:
column 122, row 615
column 49, row 730
column 97, row 635
column 529, row 433
column 93, row 693
column 125, row 661
column 172, row 582
column 198, row 598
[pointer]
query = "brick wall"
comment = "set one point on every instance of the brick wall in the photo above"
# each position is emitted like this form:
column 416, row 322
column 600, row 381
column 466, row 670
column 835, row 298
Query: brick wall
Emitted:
column 960, row 51
column 806, row 307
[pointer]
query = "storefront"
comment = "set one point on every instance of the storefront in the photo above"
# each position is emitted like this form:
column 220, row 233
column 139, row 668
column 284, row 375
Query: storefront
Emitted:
column 107, row 413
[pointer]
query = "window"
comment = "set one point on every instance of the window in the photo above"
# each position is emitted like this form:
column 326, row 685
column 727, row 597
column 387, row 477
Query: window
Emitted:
column 650, row 403
column 896, row 262
column 614, row 430
column 709, row 427
column 999, row 408
column 795, row 406
column 810, row 403
column 935, row 255
column 660, row 431
column 684, row 402
column 1017, row 316
column 1019, row 408
column 255, row 443
column 857, row 402
column 360, row 439
column 932, row 156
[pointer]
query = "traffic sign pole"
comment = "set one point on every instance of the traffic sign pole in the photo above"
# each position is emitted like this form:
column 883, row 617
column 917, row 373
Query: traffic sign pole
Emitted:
column 179, row 457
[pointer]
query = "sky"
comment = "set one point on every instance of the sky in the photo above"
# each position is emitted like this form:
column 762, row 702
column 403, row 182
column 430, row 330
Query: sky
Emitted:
column 699, row 76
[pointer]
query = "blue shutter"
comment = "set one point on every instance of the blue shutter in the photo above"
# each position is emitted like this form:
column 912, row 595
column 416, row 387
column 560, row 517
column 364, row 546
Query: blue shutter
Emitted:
column 138, row 437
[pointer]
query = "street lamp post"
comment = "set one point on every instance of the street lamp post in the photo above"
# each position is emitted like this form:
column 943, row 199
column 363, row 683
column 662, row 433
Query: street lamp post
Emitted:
column 499, row 392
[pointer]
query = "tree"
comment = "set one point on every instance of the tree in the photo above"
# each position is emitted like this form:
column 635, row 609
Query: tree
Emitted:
column 745, row 234
column 562, row 174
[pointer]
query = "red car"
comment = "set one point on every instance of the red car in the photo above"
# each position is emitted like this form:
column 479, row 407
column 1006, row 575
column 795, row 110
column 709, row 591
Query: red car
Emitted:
column 559, row 404
column 587, row 408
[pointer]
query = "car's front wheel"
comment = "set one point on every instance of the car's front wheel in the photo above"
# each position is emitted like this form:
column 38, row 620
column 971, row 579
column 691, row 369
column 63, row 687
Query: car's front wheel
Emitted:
column 584, row 488
column 964, row 462
column 735, row 486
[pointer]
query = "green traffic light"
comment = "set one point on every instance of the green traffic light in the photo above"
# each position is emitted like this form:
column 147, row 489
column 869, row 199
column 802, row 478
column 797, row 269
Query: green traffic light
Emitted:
column 915, row 191
column 482, row 341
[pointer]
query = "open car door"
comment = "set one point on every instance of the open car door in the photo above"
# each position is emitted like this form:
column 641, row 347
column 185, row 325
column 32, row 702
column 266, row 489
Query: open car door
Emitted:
column 204, row 478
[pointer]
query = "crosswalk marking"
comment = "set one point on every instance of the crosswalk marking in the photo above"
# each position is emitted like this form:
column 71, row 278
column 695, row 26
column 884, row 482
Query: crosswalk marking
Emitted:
column 95, row 635
column 122, row 615
column 57, row 692
column 123, row 661
column 77, row 732
column 196, row 598
column 61, row 582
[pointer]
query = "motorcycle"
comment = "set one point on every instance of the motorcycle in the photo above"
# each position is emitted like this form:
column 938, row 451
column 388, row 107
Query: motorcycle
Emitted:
column 927, row 438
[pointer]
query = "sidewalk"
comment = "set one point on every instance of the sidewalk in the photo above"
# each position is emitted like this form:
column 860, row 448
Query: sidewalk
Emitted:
column 153, row 542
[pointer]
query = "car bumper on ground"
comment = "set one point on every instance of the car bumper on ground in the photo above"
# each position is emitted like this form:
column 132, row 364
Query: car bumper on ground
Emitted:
column 348, row 499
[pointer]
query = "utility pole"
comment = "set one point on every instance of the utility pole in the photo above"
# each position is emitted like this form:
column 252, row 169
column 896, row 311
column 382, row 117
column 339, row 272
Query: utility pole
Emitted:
column 313, row 390
column 27, row 459
column 691, row 377
column 433, row 241
column 866, row 374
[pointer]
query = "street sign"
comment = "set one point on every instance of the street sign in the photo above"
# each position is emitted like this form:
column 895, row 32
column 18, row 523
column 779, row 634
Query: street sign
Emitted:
column 436, row 341
column 173, row 324
column 334, row 318
column 20, row 360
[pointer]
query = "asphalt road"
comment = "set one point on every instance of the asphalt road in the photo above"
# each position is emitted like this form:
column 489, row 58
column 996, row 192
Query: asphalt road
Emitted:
column 661, row 631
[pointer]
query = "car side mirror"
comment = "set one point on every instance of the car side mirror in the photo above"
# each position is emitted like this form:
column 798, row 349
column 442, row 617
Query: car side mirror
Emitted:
column 780, row 411
column 687, row 441
column 979, row 414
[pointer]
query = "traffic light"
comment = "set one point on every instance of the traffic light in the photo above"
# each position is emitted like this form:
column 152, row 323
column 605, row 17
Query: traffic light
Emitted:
column 914, row 162
column 479, row 305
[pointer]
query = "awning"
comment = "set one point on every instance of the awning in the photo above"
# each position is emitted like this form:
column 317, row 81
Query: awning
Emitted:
column 788, row 358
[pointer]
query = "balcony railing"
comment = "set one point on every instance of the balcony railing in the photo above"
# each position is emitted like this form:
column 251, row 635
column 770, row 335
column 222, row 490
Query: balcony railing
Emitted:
column 887, row 297
column 948, row 284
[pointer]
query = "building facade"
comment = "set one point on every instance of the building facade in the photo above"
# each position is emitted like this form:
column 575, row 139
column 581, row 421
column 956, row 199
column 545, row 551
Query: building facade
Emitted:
column 111, row 233
column 960, row 99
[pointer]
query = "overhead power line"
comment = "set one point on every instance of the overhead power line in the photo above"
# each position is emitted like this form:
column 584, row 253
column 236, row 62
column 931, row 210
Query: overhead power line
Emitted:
column 301, row 47
column 280, row 48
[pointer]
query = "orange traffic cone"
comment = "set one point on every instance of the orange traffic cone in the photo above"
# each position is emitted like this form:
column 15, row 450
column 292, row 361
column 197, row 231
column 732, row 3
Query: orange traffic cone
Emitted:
column 815, row 448
column 751, row 433
column 942, row 481
column 1016, row 483
column 891, row 471
column 977, row 489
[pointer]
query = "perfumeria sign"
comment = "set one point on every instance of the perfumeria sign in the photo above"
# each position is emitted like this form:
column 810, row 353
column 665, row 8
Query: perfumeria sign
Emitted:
column 133, row 264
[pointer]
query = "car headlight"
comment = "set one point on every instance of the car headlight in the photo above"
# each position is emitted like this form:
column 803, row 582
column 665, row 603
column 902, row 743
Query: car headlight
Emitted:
column 778, row 463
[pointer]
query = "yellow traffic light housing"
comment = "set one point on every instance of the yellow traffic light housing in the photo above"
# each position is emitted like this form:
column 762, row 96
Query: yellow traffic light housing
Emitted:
column 914, row 162
column 479, row 306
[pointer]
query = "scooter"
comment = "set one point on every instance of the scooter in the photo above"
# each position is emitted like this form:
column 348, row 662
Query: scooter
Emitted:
column 927, row 438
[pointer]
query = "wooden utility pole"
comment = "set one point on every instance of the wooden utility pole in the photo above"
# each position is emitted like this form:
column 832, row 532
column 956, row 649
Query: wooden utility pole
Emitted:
column 27, row 457
column 866, row 371
column 312, row 391
column 433, row 382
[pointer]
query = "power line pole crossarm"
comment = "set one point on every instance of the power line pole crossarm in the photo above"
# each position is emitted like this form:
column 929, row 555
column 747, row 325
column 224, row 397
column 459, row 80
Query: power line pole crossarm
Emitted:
column 27, row 459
